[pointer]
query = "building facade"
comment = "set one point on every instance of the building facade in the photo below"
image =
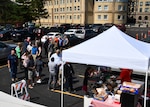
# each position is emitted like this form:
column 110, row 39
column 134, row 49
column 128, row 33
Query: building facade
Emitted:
column 85, row 12
column 143, row 12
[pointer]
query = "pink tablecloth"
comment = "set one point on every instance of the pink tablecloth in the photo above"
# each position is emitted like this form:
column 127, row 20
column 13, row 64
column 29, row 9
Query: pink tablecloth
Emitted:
column 107, row 103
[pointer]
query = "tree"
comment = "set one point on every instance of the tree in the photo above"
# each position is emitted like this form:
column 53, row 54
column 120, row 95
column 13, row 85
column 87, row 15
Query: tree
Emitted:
column 38, row 10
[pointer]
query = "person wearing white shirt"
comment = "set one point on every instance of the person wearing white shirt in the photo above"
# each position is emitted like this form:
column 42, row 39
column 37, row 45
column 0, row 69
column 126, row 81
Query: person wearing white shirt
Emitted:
column 57, row 60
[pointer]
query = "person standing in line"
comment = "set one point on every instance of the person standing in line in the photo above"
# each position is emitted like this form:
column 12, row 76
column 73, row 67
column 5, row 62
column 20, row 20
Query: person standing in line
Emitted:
column 18, row 50
column 52, row 74
column 66, row 42
column 45, row 45
column 29, row 47
column 25, row 58
column 58, row 59
column 38, row 67
column 34, row 51
column 50, row 48
column 39, row 46
column 12, row 65
column 68, row 74
column 31, row 72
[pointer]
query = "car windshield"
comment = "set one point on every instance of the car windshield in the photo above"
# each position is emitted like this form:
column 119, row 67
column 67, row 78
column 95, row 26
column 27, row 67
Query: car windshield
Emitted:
column 69, row 31
column 50, row 34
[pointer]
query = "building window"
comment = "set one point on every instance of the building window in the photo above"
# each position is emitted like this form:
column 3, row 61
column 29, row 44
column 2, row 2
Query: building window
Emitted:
column 78, row 0
column 70, row 17
column 105, row 7
column 74, row 16
column 105, row 17
column 75, row 8
column 70, row 8
column 141, row 3
column 78, row 8
column 147, row 10
column 146, row 17
column 63, row 9
column 119, row 8
column 140, row 18
column 67, row 1
column 124, row 8
column 75, row 0
column 123, row 17
column 147, row 3
column 119, row 17
column 70, row 1
column 67, row 8
column 99, row 17
column 78, row 17
column 99, row 8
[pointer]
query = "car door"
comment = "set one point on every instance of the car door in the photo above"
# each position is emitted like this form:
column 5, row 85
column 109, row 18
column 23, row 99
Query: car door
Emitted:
column 4, row 51
column 80, row 33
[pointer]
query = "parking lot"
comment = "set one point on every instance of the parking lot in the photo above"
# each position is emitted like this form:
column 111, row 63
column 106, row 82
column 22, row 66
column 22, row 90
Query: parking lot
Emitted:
column 41, row 95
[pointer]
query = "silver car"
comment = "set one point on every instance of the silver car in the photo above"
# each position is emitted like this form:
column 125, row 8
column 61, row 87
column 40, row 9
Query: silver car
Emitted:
column 5, row 50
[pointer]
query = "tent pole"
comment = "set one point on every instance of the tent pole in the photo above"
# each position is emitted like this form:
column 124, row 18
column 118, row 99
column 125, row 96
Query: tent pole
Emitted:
column 62, row 74
column 145, row 92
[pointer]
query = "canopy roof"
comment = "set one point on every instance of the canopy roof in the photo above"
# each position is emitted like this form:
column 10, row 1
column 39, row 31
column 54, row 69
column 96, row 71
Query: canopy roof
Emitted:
column 111, row 48
column 7, row 100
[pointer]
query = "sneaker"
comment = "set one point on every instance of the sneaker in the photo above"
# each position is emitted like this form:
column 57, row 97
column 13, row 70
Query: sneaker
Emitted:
column 33, row 84
column 30, row 87
column 39, row 81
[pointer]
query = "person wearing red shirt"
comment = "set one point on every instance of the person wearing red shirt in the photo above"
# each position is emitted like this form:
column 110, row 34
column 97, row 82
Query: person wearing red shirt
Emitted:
column 125, row 75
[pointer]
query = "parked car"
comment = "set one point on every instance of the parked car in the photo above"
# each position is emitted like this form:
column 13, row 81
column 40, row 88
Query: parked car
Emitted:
column 82, row 33
column 57, row 29
column 5, row 35
column 50, row 35
column 5, row 50
column 89, row 33
column 73, row 40
column 71, row 31
column 98, row 29
column 121, row 27
column 20, row 35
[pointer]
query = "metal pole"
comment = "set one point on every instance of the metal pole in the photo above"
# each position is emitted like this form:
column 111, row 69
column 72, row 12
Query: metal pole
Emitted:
column 62, row 95
column 145, row 92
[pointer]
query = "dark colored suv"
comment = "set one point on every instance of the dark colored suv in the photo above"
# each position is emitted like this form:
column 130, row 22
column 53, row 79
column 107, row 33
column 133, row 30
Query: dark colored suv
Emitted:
column 20, row 35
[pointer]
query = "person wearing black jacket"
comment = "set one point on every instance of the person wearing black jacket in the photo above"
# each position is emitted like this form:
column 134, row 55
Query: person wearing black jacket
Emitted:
column 68, row 73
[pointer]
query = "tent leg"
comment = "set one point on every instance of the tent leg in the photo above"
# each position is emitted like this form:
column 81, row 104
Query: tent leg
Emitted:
column 145, row 92
column 62, row 96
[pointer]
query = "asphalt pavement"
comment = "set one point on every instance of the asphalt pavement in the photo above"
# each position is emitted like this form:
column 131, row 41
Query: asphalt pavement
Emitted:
column 41, row 95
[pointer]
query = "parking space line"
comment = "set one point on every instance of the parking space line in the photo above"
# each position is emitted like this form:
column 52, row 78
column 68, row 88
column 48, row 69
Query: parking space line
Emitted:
column 67, row 93
column 81, row 76
column 3, row 66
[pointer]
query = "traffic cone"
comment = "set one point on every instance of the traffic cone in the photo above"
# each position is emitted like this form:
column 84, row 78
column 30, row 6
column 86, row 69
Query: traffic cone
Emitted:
column 137, row 36
column 145, row 36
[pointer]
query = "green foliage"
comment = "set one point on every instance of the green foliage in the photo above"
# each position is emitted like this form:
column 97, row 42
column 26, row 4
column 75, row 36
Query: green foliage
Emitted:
column 22, row 11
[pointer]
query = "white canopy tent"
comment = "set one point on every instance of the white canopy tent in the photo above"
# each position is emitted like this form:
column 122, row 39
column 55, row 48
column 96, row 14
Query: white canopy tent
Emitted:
column 7, row 100
column 112, row 48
